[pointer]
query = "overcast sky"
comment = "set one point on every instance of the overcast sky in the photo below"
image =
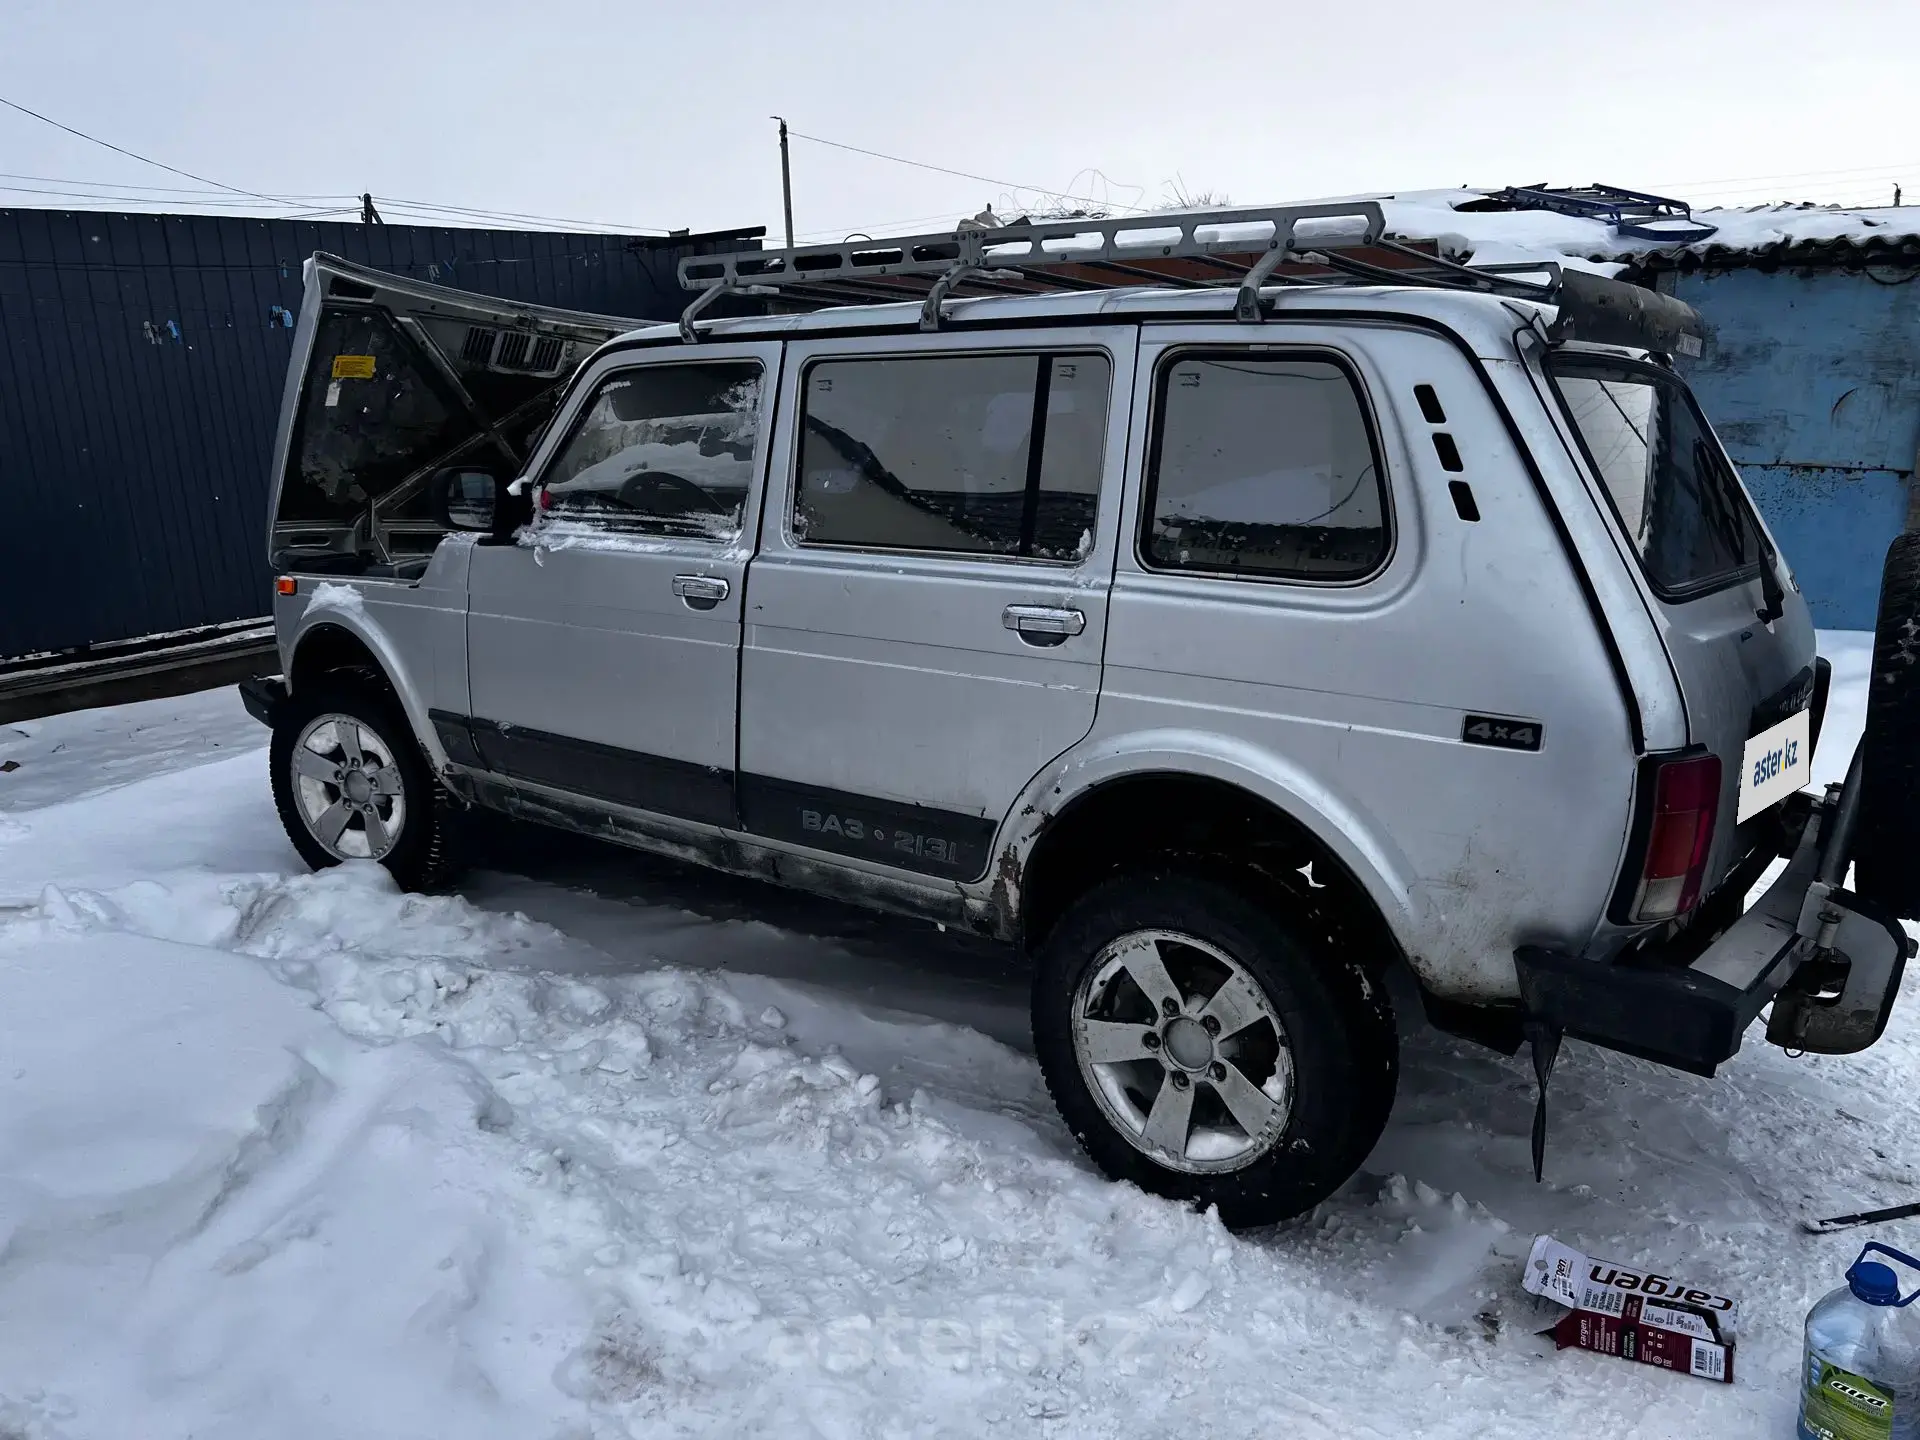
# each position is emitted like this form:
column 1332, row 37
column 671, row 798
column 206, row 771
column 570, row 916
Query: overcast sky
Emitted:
column 654, row 115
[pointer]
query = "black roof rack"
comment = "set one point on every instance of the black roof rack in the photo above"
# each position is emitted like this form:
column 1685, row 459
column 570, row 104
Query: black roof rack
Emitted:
column 1630, row 212
column 1332, row 243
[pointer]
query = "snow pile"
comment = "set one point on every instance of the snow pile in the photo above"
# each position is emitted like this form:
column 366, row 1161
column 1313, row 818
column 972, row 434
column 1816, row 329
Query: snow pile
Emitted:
column 629, row 1199
column 302, row 1155
column 1518, row 236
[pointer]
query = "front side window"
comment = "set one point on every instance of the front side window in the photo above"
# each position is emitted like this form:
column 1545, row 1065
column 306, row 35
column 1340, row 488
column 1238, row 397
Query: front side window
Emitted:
column 1673, row 490
column 981, row 454
column 1263, row 465
column 664, row 449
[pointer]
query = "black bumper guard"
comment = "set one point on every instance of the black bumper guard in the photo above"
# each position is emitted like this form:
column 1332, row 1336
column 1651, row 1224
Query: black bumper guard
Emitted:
column 1830, row 962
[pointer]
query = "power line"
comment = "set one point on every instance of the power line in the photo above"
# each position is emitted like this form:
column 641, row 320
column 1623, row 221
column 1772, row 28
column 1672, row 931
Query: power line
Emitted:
column 521, row 215
column 132, row 155
column 966, row 175
column 829, row 233
column 296, row 202
column 98, row 197
column 157, row 189
column 1838, row 182
column 101, row 190
column 1870, row 170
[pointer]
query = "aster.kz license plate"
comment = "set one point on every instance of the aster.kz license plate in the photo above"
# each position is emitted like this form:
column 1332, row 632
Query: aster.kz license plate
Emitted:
column 1778, row 761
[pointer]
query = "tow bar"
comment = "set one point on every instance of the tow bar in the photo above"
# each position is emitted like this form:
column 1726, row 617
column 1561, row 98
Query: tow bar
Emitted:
column 1829, row 961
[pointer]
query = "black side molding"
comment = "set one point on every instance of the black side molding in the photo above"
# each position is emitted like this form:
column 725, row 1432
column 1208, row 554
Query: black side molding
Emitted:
column 909, row 837
column 912, row 837
column 456, row 738
column 585, row 767
column 263, row 698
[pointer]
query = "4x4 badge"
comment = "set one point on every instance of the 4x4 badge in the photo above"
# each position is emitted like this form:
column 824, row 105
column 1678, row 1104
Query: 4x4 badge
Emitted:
column 1502, row 734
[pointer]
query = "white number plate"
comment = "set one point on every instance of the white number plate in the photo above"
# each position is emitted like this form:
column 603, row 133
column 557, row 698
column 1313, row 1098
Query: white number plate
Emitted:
column 1779, row 760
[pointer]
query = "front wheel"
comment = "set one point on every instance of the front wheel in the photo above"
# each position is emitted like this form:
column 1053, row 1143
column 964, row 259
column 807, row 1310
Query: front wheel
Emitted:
column 351, row 783
column 1200, row 1047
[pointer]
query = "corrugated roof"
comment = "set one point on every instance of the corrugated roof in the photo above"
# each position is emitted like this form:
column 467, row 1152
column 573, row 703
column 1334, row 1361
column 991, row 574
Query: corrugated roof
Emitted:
column 1766, row 234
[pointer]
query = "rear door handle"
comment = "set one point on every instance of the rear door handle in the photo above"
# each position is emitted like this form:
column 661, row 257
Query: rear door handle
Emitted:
column 1043, row 624
column 702, row 592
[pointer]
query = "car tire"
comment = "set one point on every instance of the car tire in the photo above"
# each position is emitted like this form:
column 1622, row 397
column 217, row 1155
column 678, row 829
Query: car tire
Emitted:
column 1333, row 1021
column 397, row 813
column 1886, row 849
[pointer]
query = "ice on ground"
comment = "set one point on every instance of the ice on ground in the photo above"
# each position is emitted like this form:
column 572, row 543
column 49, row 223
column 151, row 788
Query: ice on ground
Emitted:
column 302, row 1155
column 85, row 751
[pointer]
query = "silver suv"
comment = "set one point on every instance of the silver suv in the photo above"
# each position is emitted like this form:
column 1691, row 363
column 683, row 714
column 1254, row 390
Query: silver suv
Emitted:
column 1308, row 610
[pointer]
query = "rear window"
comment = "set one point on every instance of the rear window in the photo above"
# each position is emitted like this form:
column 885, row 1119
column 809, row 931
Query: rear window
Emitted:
column 1673, row 490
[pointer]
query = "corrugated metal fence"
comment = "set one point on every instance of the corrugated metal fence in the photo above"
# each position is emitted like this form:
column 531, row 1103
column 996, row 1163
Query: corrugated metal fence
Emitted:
column 141, row 365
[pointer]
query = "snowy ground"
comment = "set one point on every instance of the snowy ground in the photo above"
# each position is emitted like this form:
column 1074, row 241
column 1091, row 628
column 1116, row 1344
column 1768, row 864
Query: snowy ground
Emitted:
column 608, row 1148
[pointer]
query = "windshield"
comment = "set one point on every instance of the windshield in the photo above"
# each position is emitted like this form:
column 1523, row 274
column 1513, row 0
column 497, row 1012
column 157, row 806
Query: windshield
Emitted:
column 1672, row 488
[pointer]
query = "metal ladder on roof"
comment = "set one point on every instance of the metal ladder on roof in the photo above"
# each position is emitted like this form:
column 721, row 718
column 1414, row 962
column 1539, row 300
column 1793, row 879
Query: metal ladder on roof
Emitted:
column 1336, row 242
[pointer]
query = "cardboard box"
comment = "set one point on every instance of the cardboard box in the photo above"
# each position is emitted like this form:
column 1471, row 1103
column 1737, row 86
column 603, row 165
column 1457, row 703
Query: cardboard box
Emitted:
column 1636, row 1314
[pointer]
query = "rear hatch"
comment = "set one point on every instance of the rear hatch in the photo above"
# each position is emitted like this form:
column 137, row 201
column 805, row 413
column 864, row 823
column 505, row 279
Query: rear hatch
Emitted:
column 1736, row 629
column 391, row 380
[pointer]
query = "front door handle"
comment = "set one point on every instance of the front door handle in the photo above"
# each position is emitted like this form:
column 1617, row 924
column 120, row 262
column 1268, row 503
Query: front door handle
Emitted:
column 1043, row 624
column 701, row 592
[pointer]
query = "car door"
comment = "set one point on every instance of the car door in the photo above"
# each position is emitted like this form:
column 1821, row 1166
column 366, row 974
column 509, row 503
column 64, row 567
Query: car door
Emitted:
column 603, row 645
column 393, row 380
column 926, row 616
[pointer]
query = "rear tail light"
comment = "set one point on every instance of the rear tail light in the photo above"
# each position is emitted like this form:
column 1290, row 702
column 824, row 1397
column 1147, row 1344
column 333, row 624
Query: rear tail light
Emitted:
column 1686, row 802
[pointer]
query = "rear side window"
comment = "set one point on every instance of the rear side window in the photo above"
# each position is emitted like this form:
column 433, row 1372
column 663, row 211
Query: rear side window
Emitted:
column 1263, row 465
column 665, row 449
column 980, row 454
column 1673, row 490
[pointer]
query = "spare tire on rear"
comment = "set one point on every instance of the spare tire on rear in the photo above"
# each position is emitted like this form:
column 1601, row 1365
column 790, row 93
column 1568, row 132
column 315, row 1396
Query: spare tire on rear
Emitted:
column 1886, row 851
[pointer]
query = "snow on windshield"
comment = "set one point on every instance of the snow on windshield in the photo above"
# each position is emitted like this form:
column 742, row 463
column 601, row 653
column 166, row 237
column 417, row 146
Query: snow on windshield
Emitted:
column 662, row 448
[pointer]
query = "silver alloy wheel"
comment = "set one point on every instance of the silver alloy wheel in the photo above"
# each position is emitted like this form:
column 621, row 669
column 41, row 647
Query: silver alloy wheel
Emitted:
column 1183, row 1052
column 349, row 788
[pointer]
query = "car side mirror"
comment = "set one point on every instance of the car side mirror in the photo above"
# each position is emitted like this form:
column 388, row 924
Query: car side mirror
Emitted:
column 466, row 498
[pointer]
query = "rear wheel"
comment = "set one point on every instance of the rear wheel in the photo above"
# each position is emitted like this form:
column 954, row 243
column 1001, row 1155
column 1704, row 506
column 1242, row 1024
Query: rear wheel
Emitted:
column 351, row 783
column 1887, row 845
column 1208, row 1051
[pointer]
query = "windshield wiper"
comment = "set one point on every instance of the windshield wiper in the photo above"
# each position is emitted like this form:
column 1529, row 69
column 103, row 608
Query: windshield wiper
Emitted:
column 1773, row 597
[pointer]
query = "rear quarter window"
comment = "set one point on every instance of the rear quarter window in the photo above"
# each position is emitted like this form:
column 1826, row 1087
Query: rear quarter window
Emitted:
column 1671, row 487
column 1263, row 466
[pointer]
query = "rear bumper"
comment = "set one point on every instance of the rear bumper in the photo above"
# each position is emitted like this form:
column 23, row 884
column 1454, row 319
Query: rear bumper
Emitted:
column 1831, row 962
column 263, row 698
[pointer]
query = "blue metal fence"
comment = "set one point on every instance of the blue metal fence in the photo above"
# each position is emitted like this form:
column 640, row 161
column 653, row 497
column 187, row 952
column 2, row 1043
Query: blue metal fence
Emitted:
column 1813, row 381
column 141, row 365
column 142, row 357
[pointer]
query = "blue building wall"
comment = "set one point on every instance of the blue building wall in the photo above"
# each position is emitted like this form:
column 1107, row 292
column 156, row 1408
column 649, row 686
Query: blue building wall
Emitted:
column 1812, row 378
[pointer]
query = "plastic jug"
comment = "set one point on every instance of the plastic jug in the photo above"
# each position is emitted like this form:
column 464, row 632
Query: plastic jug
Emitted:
column 1862, row 1375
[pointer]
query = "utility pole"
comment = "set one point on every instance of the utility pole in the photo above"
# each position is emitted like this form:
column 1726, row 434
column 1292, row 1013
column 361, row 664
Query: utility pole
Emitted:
column 369, row 215
column 786, row 180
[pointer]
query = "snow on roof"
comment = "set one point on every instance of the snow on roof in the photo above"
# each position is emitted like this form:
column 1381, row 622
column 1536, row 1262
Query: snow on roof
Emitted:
column 1502, row 236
